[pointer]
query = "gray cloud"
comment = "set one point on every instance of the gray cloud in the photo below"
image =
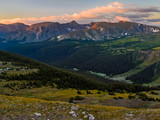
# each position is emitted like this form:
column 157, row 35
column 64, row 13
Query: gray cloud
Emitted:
column 138, row 15
column 144, row 10
column 153, row 20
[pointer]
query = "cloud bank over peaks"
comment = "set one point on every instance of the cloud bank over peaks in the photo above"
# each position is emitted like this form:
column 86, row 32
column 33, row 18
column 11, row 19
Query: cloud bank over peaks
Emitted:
column 111, row 13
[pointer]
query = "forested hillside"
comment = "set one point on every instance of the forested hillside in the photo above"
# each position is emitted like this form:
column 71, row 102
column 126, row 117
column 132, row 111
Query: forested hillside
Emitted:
column 44, row 75
column 118, row 59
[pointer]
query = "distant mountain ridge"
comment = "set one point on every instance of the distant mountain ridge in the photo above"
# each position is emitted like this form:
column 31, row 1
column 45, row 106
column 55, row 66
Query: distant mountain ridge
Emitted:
column 22, row 33
column 106, row 30
column 11, row 29
column 37, row 32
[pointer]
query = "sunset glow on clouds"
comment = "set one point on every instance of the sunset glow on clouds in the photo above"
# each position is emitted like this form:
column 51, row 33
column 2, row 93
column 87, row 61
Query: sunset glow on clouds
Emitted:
column 111, row 13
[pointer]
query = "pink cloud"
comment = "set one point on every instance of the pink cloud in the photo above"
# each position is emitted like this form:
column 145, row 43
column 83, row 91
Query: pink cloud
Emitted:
column 90, row 13
column 86, row 14
column 111, row 12
column 21, row 20
column 111, row 8
column 119, row 18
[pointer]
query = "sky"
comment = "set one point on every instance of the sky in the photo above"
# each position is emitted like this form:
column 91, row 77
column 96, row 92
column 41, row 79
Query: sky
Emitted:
column 83, row 11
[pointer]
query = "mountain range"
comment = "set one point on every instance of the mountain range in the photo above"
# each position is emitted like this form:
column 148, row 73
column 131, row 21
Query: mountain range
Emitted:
column 37, row 32
column 106, row 31
column 22, row 33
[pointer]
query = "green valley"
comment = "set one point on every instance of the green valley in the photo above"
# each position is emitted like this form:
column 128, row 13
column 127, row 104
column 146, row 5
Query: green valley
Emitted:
column 119, row 59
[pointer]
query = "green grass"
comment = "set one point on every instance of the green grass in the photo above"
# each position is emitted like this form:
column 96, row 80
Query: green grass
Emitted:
column 26, row 108
column 21, row 71
column 94, row 98
column 156, row 48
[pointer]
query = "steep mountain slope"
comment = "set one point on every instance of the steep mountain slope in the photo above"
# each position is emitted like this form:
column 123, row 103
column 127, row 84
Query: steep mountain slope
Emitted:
column 150, row 70
column 104, row 31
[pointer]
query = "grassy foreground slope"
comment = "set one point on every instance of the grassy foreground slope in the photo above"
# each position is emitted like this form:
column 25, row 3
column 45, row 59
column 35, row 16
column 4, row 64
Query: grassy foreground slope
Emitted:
column 27, row 108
